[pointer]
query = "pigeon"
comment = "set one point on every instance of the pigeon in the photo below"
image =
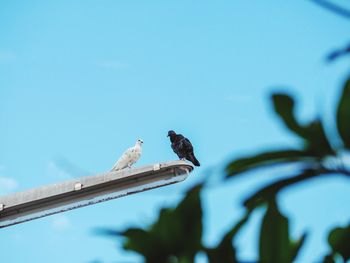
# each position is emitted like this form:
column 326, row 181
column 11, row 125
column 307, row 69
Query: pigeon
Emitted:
column 129, row 157
column 182, row 147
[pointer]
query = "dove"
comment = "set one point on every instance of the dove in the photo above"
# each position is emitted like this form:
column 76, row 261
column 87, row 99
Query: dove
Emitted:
column 129, row 157
column 182, row 147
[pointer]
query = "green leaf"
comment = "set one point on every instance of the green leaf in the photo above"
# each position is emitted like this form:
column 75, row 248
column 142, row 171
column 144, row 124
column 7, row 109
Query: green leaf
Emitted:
column 174, row 237
column 328, row 259
column 184, row 260
column 316, row 139
column 343, row 115
column 339, row 240
column 264, row 159
column 284, row 107
column 313, row 133
column 296, row 245
column 335, row 54
column 139, row 240
column 270, row 191
column 225, row 251
column 187, row 216
column 316, row 144
column 274, row 246
column 107, row 232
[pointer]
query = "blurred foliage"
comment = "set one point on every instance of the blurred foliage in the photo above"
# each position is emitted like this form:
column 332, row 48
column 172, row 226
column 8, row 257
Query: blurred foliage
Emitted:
column 176, row 236
column 331, row 6
column 225, row 251
column 312, row 153
column 335, row 54
column 343, row 116
column 339, row 241
column 275, row 244
column 312, row 158
column 340, row 11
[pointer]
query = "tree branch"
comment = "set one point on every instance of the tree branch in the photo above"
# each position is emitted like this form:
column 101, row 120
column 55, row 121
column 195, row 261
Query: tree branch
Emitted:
column 272, row 190
column 333, row 8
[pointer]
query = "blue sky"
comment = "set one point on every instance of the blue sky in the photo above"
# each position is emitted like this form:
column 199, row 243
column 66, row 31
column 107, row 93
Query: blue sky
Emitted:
column 82, row 80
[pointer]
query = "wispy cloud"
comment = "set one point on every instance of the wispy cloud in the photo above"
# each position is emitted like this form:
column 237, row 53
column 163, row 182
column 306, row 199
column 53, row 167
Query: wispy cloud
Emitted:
column 62, row 168
column 112, row 65
column 55, row 171
column 7, row 185
column 60, row 222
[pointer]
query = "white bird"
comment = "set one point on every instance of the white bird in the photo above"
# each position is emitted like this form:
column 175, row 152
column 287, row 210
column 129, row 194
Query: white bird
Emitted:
column 129, row 157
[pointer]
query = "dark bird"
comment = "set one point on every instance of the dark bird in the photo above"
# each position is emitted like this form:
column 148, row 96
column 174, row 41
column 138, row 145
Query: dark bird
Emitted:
column 182, row 147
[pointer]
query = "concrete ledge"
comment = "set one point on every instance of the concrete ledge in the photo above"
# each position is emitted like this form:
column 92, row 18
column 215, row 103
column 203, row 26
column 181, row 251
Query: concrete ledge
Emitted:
column 46, row 200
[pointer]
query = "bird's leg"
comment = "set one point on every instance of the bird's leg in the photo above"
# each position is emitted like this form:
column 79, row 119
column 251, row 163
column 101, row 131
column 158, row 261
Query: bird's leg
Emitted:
column 183, row 159
column 129, row 165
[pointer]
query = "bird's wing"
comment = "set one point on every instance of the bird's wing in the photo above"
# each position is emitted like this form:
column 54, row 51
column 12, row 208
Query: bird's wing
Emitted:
column 173, row 146
column 123, row 160
column 135, row 154
column 177, row 145
column 188, row 148
column 187, row 145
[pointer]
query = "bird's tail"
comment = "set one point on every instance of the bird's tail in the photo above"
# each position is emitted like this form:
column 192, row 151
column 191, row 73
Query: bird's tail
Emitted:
column 194, row 160
column 117, row 166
